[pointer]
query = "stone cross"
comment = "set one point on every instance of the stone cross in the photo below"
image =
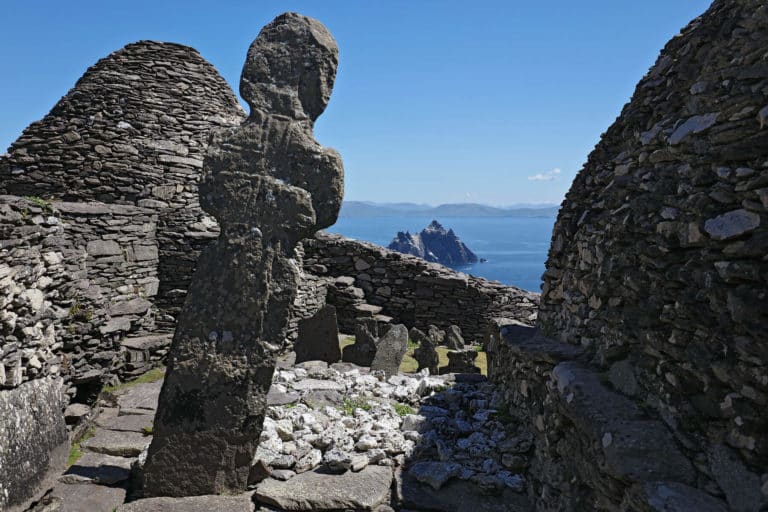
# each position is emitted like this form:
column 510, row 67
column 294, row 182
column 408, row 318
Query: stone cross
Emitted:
column 269, row 184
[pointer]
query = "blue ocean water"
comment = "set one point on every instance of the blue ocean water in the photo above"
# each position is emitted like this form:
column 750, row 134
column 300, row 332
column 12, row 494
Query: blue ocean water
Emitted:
column 515, row 247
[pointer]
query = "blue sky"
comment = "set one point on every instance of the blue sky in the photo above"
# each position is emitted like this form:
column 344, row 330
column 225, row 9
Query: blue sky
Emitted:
column 496, row 101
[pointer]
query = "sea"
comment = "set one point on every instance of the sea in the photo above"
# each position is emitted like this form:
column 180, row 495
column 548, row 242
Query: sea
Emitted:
column 515, row 247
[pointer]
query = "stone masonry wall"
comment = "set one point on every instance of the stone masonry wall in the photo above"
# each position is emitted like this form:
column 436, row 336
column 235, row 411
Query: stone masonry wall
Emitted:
column 75, row 279
column 658, row 268
column 413, row 291
column 133, row 130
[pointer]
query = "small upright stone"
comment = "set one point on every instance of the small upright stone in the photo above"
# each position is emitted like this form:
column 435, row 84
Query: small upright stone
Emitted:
column 453, row 338
column 319, row 338
column 269, row 184
column 363, row 350
column 390, row 350
column 462, row 361
column 437, row 335
column 425, row 354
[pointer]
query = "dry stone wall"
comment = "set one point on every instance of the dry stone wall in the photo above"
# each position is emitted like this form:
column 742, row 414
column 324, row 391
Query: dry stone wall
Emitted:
column 76, row 278
column 654, row 297
column 133, row 130
column 410, row 290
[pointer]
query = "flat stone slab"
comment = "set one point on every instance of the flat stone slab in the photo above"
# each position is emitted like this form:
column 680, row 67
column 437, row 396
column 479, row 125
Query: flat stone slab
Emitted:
column 457, row 496
column 152, row 342
column 121, row 444
column 140, row 396
column 316, row 491
column 211, row 503
column 87, row 496
column 129, row 423
column 275, row 397
column 317, row 385
column 98, row 468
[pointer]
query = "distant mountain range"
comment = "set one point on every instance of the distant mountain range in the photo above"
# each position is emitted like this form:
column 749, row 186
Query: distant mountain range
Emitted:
column 369, row 209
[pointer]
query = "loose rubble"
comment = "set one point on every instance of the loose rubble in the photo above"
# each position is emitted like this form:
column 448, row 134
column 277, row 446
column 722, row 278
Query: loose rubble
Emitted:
column 435, row 427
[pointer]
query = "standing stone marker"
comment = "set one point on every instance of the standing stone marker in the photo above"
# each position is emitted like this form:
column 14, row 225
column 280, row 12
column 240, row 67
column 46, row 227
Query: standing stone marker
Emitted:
column 390, row 350
column 462, row 361
column 269, row 184
column 453, row 338
column 363, row 350
column 425, row 354
column 319, row 337
column 437, row 335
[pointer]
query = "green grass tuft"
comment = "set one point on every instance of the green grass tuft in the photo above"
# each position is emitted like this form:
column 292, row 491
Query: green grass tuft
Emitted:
column 43, row 204
column 403, row 409
column 75, row 452
column 152, row 375
column 350, row 404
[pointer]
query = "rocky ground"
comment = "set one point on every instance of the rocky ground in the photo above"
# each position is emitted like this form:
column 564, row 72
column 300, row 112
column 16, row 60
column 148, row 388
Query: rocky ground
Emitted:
column 335, row 437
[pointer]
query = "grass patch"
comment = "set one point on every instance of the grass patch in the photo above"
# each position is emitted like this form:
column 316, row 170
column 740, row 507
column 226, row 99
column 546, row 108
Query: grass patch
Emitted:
column 41, row 203
column 147, row 431
column 152, row 375
column 75, row 452
column 350, row 404
column 349, row 340
column 409, row 364
column 79, row 313
column 403, row 409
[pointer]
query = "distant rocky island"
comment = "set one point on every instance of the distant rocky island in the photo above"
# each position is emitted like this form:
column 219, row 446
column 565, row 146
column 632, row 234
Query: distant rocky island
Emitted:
column 434, row 244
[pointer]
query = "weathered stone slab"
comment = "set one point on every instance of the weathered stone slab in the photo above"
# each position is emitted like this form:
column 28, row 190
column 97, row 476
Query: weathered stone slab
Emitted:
column 34, row 442
column 319, row 337
column 140, row 396
column 317, row 385
column 241, row 503
column 669, row 496
column 426, row 353
column 269, row 184
column 99, row 469
column 453, row 338
column 128, row 423
column 457, row 496
column 390, row 350
column 363, row 350
column 318, row 491
column 121, row 444
column 732, row 224
column 275, row 397
column 88, row 496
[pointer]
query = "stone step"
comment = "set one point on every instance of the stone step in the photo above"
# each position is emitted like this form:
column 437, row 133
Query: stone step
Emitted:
column 206, row 503
column 367, row 310
column 151, row 342
column 384, row 319
column 315, row 490
column 87, row 496
column 636, row 448
column 119, row 444
column 99, row 468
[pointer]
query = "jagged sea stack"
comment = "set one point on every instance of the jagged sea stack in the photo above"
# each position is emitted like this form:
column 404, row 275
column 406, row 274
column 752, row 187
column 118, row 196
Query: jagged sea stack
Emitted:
column 269, row 184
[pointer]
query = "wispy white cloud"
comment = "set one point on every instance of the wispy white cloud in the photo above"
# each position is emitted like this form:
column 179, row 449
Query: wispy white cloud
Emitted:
column 545, row 176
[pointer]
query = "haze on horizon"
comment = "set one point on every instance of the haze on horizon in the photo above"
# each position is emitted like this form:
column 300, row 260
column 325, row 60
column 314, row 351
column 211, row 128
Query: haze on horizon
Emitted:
column 496, row 103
